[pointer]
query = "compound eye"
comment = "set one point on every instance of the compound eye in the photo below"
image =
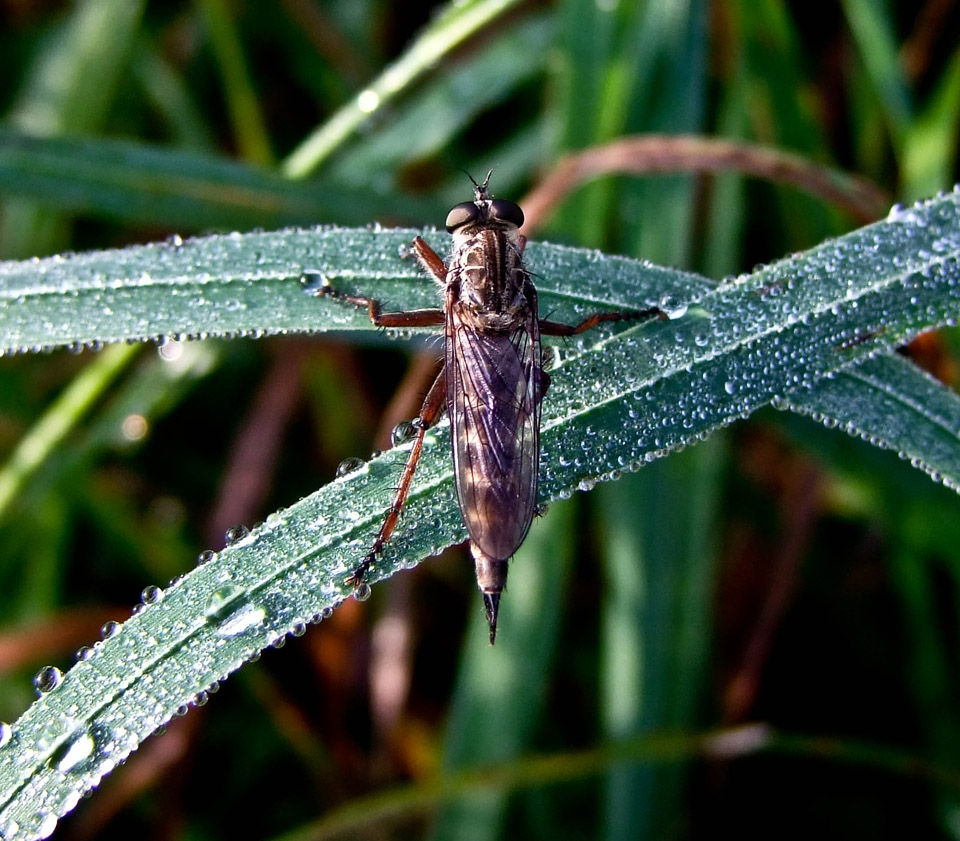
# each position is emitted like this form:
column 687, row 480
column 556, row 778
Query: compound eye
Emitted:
column 462, row 214
column 506, row 211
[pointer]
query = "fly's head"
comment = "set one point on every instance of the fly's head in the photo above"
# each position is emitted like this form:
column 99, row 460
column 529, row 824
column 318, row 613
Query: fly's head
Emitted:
column 467, row 219
column 487, row 257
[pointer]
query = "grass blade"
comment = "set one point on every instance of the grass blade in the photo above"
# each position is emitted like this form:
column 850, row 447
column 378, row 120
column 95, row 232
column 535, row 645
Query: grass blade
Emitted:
column 615, row 403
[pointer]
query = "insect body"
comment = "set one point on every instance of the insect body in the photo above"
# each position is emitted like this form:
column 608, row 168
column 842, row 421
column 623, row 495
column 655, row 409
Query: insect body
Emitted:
column 492, row 383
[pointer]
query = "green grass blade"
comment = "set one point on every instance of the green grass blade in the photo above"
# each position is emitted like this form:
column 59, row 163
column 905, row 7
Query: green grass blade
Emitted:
column 134, row 182
column 249, row 129
column 167, row 92
column 891, row 403
column 69, row 89
column 930, row 150
column 656, row 623
column 870, row 25
column 49, row 433
column 446, row 105
column 615, row 403
column 250, row 284
column 457, row 23
column 512, row 677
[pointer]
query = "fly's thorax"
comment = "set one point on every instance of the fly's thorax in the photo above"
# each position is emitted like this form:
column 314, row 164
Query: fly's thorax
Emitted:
column 487, row 267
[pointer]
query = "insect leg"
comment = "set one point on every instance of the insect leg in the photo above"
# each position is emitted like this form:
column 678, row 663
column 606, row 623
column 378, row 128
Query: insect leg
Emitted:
column 430, row 411
column 430, row 260
column 556, row 328
column 410, row 318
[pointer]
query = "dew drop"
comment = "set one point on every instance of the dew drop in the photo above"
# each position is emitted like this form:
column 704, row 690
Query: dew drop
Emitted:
column 314, row 283
column 206, row 556
column 85, row 652
column 109, row 630
column 75, row 754
column 6, row 734
column 223, row 601
column 235, row 534
column 673, row 307
column 368, row 101
column 151, row 595
column 348, row 466
column 402, row 432
column 47, row 824
column 229, row 607
column 47, row 679
column 362, row 591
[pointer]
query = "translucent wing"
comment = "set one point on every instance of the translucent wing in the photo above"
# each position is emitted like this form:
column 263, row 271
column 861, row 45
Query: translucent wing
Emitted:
column 493, row 399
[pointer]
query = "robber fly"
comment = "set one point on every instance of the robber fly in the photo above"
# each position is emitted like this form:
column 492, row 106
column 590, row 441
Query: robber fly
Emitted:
column 492, row 383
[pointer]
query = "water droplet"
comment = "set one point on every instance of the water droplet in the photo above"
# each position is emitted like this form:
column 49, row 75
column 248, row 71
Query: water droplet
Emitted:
column 151, row 595
column 314, row 283
column 299, row 628
column 235, row 534
column 673, row 307
column 402, row 432
column 730, row 387
column 85, row 652
column 229, row 607
column 46, row 824
column 368, row 101
column 75, row 754
column 6, row 733
column 206, row 556
column 349, row 465
column 223, row 601
column 47, row 679
column 327, row 612
column 362, row 591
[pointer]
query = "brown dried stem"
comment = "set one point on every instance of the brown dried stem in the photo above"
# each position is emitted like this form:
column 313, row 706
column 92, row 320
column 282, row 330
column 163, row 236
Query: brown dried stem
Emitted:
column 656, row 153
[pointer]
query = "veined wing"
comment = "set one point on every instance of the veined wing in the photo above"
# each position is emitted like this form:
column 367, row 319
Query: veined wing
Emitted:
column 493, row 399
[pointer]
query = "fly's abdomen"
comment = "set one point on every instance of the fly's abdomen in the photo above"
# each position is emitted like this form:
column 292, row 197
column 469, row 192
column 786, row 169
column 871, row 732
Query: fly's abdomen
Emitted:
column 493, row 402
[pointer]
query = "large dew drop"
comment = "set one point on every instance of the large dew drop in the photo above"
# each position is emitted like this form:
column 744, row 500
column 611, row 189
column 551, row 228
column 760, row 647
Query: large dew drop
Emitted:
column 47, row 679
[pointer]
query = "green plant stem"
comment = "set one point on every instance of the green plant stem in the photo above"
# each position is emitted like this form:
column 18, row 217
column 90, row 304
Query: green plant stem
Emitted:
column 61, row 419
column 249, row 128
column 458, row 22
column 534, row 771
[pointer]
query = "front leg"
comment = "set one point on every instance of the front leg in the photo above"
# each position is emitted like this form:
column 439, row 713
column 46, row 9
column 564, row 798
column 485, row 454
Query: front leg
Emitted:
column 556, row 328
column 410, row 318
column 431, row 262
